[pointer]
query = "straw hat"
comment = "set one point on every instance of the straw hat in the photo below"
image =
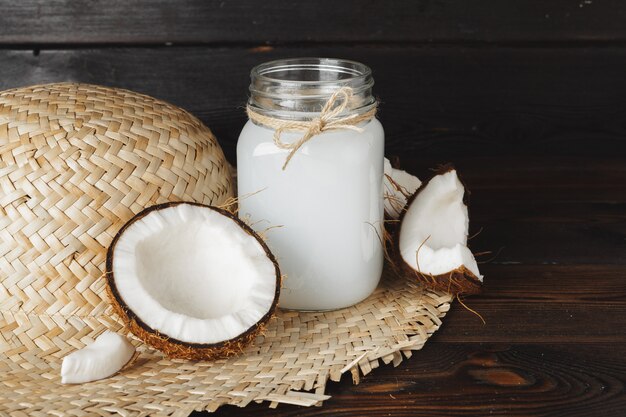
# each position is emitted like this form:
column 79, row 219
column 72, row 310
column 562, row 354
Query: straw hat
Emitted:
column 76, row 162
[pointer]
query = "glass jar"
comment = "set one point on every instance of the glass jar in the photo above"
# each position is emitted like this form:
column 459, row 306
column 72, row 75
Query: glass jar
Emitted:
column 322, row 214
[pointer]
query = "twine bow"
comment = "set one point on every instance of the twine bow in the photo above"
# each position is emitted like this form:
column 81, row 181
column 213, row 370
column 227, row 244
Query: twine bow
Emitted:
column 327, row 120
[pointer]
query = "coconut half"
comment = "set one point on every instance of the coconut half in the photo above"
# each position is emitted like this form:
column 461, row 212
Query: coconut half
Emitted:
column 432, row 240
column 398, row 186
column 192, row 280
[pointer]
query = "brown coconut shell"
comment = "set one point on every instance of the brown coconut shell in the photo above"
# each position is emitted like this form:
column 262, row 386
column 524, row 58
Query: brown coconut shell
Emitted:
column 457, row 281
column 174, row 348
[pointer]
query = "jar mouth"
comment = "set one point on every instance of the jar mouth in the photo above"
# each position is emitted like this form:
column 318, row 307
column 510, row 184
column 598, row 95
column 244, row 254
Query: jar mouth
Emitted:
column 312, row 71
column 297, row 88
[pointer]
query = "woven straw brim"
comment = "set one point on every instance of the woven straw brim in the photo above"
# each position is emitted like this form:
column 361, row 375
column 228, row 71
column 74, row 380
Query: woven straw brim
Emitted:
column 291, row 363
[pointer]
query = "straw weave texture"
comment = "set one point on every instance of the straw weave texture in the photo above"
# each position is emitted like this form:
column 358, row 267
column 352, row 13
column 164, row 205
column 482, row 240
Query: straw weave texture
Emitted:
column 291, row 363
column 76, row 163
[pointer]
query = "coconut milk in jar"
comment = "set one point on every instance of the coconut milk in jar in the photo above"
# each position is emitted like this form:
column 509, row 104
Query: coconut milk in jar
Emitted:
column 310, row 173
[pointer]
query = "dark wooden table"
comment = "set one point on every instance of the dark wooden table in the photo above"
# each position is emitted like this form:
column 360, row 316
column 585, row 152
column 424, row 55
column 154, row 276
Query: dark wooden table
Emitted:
column 528, row 100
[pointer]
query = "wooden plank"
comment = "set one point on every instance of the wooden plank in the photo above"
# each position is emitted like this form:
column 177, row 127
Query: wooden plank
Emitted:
column 436, row 102
column 503, row 181
column 46, row 22
column 542, row 210
column 548, row 210
column 546, row 242
column 553, row 344
column 476, row 379
column 543, row 304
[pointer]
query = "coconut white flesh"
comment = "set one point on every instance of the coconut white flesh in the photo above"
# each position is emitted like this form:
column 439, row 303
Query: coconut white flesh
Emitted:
column 397, row 185
column 193, row 274
column 101, row 359
column 433, row 234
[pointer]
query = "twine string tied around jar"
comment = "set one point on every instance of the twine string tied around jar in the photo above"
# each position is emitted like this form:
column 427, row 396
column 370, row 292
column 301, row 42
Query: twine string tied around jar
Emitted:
column 327, row 120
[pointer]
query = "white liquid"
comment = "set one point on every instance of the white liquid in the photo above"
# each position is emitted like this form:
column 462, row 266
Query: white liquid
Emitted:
column 328, row 202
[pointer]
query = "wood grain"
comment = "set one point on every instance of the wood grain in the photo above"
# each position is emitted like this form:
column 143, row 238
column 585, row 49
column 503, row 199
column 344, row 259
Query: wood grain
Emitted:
column 77, row 22
column 446, row 102
column 543, row 304
column 480, row 379
column 545, row 210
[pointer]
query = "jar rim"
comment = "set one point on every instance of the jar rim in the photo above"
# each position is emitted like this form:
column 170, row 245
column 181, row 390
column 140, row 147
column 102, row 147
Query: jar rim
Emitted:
column 357, row 70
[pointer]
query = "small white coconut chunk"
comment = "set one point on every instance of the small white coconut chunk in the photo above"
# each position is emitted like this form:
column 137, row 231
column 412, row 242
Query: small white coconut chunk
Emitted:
column 397, row 186
column 101, row 359
column 433, row 235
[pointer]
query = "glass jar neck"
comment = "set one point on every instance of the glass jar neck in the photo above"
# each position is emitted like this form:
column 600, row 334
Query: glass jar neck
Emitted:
column 298, row 88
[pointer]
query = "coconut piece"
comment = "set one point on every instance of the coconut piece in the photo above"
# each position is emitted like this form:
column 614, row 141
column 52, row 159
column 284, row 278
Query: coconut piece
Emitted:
column 432, row 241
column 101, row 359
column 398, row 186
column 192, row 280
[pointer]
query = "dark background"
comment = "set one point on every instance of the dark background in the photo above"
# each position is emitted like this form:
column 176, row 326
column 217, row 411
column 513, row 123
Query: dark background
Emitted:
column 527, row 98
column 480, row 78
